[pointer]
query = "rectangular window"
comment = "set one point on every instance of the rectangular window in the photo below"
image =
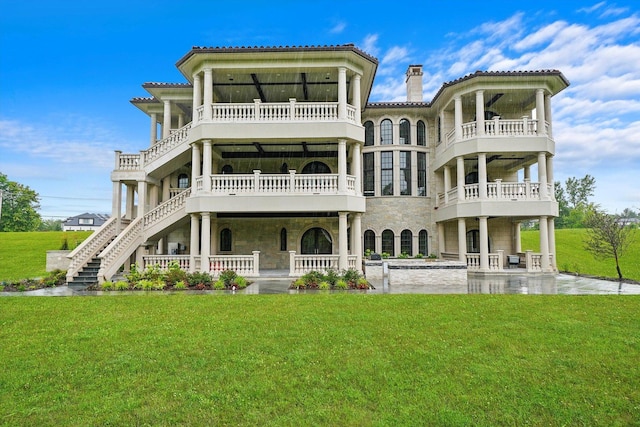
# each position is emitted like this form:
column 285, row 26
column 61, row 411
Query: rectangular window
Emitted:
column 85, row 221
column 386, row 173
column 405, row 173
column 422, row 174
column 368, row 174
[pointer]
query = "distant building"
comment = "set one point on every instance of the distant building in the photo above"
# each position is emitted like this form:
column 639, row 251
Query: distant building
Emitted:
column 84, row 222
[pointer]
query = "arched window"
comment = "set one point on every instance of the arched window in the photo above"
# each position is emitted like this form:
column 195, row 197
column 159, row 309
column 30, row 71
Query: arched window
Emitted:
column 316, row 241
column 227, row 169
column 283, row 239
column 405, row 173
column 225, row 240
column 423, row 242
column 316, row 167
column 422, row 174
column 387, row 242
column 368, row 133
column 405, row 132
column 421, row 133
column 386, row 132
column 183, row 181
column 406, row 242
column 370, row 240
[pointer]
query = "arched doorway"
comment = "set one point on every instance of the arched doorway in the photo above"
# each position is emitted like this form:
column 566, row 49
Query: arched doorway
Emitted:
column 315, row 167
column 316, row 241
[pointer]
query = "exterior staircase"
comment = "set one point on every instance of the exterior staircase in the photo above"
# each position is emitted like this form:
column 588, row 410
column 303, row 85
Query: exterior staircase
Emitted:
column 88, row 274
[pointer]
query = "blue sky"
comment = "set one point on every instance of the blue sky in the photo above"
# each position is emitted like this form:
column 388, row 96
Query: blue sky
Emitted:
column 69, row 68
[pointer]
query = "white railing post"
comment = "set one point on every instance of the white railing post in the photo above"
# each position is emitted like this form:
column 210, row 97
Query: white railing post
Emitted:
column 256, row 263
column 499, row 189
column 292, row 108
column 256, row 180
column 500, row 258
column 496, row 125
column 292, row 263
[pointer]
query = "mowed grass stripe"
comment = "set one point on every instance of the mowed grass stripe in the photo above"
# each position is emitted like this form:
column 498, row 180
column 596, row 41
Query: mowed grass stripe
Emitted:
column 334, row 359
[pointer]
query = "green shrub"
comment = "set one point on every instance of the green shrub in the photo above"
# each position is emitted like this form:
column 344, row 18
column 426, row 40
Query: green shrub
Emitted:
column 159, row 285
column 145, row 285
column 153, row 273
column 299, row 283
column 219, row 285
column 107, row 285
column 134, row 275
column 198, row 278
column 324, row 285
column 174, row 274
column 385, row 255
column 180, row 285
column 240, row 282
column 1, row 287
column 341, row 284
column 331, row 277
column 419, row 256
column 121, row 285
column 351, row 276
column 403, row 255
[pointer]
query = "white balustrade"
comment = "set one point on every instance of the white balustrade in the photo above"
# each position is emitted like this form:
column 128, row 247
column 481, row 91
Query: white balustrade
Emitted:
column 301, row 264
column 165, row 145
column 497, row 127
column 473, row 261
column 163, row 261
column 127, row 162
column 275, row 112
column 497, row 191
column 90, row 247
column 259, row 183
column 471, row 191
column 165, row 209
column 243, row 265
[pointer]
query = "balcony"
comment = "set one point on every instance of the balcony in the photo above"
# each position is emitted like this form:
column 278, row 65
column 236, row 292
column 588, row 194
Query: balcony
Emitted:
column 291, row 192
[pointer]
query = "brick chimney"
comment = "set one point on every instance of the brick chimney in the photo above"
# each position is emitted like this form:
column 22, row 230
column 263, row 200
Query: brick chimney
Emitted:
column 414, row 83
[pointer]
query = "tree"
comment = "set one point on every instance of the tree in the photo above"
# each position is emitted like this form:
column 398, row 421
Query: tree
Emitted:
column 573, row 201
column 578, row 191
column 19, row 207
column 50, row 225
column 608, row 236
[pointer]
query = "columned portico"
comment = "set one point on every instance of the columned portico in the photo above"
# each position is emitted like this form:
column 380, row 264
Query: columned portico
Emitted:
column 542, row 175
column 457, row 117
column 154, row 128
column 342, row 93
column 197, row 96
column 482, row 176
column 342, row 165
column 208, row 92
column 540, row 112
column 206, row 165
column 460, row 177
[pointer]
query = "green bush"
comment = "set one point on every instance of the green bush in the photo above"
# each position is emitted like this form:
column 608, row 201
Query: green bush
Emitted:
column 134, row 275
column 324, row 285
column 180, row 285
column 159, row 285
column 219, row 285
column 121, row 285
column 199, row 278
column 175, row 274
column 240, row 282
column 107, row 285
column 341, row 284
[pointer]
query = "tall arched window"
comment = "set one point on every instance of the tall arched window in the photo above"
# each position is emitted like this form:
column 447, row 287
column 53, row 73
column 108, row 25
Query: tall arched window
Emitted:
column 421, row 133
column 183, row 181
column 225, row 240
column 370, row 240
column 316, row 241
column 368, row 133
column 315, row 167
column 283, row 239
column 227, row 169
column 386, row 132
column 387, row 242
column 423, row 242
column 406, row 242
column 405, row 132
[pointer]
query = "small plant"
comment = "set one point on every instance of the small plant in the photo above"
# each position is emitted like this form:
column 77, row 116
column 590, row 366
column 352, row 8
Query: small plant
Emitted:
column 180, row 285
column 199, row 278
column 363, row 283
column 240, row 282
column 324, row 285
column 385, row 255
column 159, row 285
column 403, row 255
column 219, row 285
column 419, row 256
column 175, row 274
column 121, row 285
column 200, row 287
column 107, row 285
column 367, row 253
column 145, row 285
column 21, row 287
column 153, row 273
column 341, row 284
column 134, row 275
column 1, row 287
column 433, row 256
column 65, row 244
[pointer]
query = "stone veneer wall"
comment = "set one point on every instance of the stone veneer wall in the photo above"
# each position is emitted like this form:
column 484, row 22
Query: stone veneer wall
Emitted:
column 417, row 272
column 57, row 260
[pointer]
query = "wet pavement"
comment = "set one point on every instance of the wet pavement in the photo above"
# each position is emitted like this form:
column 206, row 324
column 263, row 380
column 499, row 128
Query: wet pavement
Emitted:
column 561, row 284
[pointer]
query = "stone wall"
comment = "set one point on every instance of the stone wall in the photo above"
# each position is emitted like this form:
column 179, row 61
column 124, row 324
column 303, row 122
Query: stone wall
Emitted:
column 57, row 260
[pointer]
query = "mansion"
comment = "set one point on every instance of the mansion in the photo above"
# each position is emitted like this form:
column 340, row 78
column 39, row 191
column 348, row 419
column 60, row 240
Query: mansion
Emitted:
column 272, row 158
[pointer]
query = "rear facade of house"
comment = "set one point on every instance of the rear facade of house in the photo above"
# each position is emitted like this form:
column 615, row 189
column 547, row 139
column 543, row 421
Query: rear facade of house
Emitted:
column 272, row 158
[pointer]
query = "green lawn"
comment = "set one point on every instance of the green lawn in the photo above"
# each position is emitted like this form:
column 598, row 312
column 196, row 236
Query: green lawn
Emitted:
column 326, row 359
column 23, row 255
column 572, row 257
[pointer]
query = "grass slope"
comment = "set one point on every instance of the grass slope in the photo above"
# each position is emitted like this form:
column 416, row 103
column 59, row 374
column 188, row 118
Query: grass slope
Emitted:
column 572, row 257
column 23, row 255
column 332, row 359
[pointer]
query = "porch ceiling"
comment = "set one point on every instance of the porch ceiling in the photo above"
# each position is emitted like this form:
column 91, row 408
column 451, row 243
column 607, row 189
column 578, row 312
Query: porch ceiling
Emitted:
column 250, row 150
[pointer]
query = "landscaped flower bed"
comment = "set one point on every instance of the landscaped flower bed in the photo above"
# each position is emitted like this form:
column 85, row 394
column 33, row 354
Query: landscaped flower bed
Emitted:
column 348, row 279
column 55, row 278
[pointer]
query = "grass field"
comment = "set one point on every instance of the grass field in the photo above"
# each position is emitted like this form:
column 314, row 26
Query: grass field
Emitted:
column 332, row 359
column 572, row 257
column 23, row 255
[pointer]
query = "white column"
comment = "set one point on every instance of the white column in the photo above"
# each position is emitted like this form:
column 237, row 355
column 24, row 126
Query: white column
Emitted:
column 130, row 202
column 356, row 234
column 142, row 198
column 552, row 242
column 480, row 113
column 540, row 114
column 206, row 165
column 116, row 204
column 547, row 114
column 517, row 239
column 214, row 234
column 355, row 97
column 166, row 121
column 342, row 166
column 482, row 176
column 542, row 175
column 550, row 177
column 462, row 240
column 342, row 241
column 441, row 241
column 205, row 239
column 194, row 249
column 195, row 163
column 180, row 120
column 154, row 128
column 197, row 96
column 460, row 178
column 457, row 117
column 356, row 167
column 208, row 94
column 544, row 243
column 484, row 243
column 342, row 93
column 447, row 183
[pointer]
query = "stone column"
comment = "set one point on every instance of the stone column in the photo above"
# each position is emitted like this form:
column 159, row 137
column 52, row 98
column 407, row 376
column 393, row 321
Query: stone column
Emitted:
column 214, row 234
column 462, row 240
column 342, row 241
column 206, row 165
column 130, row 202
column 116, row 205
column 208, row 94
column 540, row 114
column 517, row 239
column 551, row 190
column 447, row 183
column 480, row 113
column 460, row 178
column 544, row 243
column 205, row 239
column 356, row 235
column 527, row 172
column 194, row 248
column 342, row 93
column 195, row 164
column 457, row 117
column 482, row 176
column 552, row 243
column 342, row 166
column 142, row 198
column 166, row 121
column 441, row 240
column 197, row 96
column 355, row 97
column 356, row 167
column 542, row 175
column 154, row 128
column 180, row 120
column 547, row 114
column 484, row 243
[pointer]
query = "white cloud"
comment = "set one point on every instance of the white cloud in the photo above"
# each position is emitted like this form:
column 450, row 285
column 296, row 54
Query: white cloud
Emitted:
column 338, row 28
column 369, row 44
